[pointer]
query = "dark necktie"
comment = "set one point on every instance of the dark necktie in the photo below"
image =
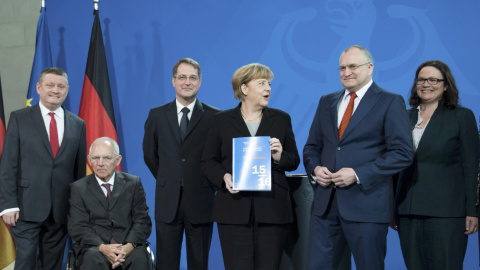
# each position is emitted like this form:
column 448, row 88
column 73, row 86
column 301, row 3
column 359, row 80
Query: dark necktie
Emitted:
column 53, row 135
column 109, row 193
column 184, row 123
column 347, row 115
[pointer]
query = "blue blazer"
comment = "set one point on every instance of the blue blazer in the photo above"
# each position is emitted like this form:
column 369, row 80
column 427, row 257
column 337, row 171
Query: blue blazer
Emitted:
column 376, row 144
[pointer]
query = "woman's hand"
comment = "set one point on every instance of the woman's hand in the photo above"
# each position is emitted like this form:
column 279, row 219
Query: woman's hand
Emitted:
column 471, row 225
column 227, row 178
column 276, row 148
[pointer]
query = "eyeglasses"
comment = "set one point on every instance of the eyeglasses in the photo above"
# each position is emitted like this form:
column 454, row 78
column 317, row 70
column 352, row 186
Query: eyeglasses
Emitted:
column 352, row 67
column 431, row 81
column 183, row 78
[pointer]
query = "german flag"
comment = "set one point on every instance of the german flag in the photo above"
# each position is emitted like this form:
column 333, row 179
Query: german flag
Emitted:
column 96, row 106
column 7, row 256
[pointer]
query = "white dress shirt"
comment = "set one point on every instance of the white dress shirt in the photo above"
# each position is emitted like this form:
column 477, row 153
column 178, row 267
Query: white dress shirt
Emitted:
column 180, row 107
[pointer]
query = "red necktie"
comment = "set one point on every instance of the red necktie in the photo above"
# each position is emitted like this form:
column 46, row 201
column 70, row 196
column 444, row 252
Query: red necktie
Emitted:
column 53, row 135
column 347, row 115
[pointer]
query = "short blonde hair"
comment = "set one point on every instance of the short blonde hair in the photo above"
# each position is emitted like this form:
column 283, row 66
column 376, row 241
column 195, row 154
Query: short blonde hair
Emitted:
column 248, row 73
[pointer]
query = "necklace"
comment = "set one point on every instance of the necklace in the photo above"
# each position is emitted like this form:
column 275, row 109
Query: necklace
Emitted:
column 252, row 119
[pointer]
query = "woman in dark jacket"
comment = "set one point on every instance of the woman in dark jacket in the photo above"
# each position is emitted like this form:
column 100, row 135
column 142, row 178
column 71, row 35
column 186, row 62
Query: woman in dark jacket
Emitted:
column 252, row 225
column 436, row 195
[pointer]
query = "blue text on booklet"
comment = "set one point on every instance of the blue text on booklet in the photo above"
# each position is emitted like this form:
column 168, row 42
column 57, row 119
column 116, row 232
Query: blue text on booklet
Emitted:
column 252, row 164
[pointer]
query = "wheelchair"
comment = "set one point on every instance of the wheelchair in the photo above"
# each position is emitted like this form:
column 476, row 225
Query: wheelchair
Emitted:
column 72, row 260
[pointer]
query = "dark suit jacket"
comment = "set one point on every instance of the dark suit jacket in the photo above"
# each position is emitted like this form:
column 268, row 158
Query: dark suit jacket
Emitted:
column 442, row 180
column 377, row 143
column 268, row 207
column 93, row 221
column 170, row 160
column 31, row 178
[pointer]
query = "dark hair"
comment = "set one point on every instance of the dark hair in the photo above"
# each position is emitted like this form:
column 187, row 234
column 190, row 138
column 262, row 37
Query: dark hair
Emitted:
column 190, row 62
column 450, row 95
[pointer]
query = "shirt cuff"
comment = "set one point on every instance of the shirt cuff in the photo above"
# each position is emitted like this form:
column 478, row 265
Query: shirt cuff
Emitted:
column 9, row 210
column 356, row 176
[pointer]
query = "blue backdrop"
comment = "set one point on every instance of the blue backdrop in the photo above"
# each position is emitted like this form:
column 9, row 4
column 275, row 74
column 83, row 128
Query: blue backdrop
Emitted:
column 300, row 40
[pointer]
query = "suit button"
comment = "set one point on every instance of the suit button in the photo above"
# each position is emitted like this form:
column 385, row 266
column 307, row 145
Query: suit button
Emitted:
column 183, row 160
column 338, row 148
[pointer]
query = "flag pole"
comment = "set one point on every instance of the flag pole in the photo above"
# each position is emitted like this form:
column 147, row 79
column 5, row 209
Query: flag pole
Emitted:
column 95, row 4
column 43, row 3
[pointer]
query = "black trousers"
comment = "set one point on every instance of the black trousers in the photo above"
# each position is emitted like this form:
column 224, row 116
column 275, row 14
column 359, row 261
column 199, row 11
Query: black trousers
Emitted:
column 432, row 243
column 92, row 258
column 47, row 239
column 170, row 238
column 255, row 245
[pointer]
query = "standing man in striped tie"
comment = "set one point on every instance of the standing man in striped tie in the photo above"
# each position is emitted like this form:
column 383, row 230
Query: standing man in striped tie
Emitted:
column 172, row 147
column 44, row 152
column 359, row 138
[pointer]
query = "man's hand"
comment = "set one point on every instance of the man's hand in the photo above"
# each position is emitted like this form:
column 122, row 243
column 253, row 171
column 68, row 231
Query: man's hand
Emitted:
column 114, row 254
column 323, row 175
column 471, row 225
column 11, row 218
column 227, row 178
column 126, row 249
column 344, row 177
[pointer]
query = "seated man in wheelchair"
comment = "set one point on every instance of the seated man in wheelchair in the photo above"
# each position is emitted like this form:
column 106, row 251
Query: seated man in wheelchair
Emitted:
column 108, row 218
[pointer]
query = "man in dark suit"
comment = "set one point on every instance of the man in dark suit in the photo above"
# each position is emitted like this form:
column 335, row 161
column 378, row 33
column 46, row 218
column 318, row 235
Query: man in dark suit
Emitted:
column 44, row 152
column 108, row 216
column 359, row 138
column 173, row 145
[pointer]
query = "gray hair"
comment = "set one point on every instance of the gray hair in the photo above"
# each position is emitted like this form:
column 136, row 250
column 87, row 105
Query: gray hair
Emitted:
column 366, row 53
column 116, row 150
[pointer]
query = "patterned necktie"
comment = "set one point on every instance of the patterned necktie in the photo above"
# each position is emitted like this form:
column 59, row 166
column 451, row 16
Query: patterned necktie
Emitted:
column 347, row 115
column 184, row 123
column 109, row 193
column 53, row 135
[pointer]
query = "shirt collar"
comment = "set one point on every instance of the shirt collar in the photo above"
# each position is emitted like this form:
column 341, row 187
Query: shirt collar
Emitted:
column 110, row 181
column 59, row 112
column 361, row 92
column 180, row 106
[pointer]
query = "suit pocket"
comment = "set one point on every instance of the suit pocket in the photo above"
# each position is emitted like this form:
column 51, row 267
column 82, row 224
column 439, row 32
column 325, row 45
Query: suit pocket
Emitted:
column 24, row 183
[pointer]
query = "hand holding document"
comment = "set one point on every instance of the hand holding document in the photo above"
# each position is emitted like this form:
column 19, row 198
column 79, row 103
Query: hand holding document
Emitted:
column 252, row 164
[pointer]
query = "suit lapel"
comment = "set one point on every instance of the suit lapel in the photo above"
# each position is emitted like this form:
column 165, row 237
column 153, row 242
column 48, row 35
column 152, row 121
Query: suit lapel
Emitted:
column 197, row 114
column 366, row 104
column 37, row 119
column 68, row 121
column 265, row 124
column 431, row 130
column 334, row 111
column 172, row 118
column 92, row 185
column 118, row 186
column 238, row 123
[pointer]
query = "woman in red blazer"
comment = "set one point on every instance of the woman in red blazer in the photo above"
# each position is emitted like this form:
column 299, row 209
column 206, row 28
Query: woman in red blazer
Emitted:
column 252, row 225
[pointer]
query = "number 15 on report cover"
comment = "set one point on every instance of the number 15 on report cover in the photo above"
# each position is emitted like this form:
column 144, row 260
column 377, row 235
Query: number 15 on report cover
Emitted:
column 252, row 164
